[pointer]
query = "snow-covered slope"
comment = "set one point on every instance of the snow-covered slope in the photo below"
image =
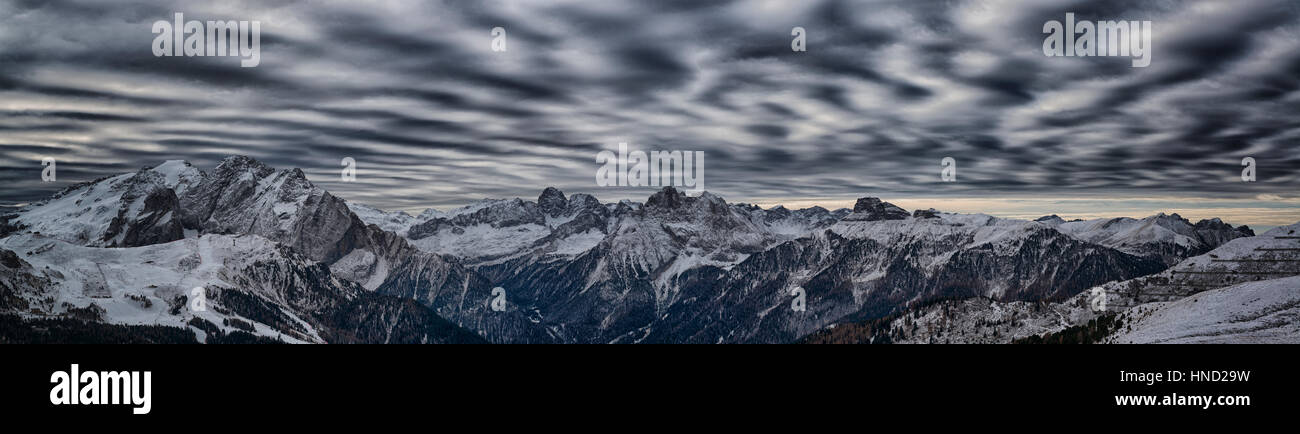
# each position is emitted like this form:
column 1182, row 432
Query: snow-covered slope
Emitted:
column 141, row 285
column 249, row 285
column 397, row 222
column 1170, row 238
column 243, row 197
column 132, row 209
column 482, row 231
column 1265, row 259
column 1266, row 256
column 1267, row 311
column 966, row 321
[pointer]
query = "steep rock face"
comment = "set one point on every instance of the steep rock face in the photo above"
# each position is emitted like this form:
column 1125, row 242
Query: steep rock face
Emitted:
column 552, row 202
column 245, row 196
column 133, row 209
column 1214, row 232
column 153, row 222
column 335, row 310
column 22, row 288
column 463, row 297
column 866, row 270
column 609, row 281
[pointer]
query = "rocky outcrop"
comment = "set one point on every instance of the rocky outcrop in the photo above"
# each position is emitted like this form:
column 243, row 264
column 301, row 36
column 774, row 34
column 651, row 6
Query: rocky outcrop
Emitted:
column 873, row 209
column 552, row 202
column 925, row 214
column 1050, row 220
column 134, row 209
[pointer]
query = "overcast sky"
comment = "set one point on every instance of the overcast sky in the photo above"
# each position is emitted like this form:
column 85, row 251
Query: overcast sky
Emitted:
column 414, row 93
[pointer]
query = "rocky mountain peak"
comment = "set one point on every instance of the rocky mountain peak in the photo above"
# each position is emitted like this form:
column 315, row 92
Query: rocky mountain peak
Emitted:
column 715, row 204
column 668, row 198
column 873, row 209
column 237, row 165
column 584, row 202
column 1169, row 219
column 1050, row 220
column 778, row 212
column 1215, row 232
column 552, row 202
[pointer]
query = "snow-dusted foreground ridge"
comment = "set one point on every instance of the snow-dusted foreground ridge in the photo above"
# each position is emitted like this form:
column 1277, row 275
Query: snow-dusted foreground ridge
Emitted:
column 1242, row 291
column 1256, row 312
column 285, row 260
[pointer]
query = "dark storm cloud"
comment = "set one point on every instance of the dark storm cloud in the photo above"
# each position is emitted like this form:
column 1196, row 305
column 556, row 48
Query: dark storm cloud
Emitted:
column 886, row 89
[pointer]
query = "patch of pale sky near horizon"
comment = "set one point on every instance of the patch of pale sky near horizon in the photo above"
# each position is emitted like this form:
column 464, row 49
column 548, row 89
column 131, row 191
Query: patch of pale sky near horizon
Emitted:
column 1260, row 213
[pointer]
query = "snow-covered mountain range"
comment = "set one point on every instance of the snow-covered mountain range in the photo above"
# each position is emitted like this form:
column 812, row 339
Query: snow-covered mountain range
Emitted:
column 285, row 260
column 1168, row 238
column 1242, row 291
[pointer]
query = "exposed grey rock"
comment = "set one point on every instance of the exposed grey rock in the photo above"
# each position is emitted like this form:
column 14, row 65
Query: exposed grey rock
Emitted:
column 873, row 209
column 925, row 214
column 1214, row 232
column 751, row 301
column 552, row 202
column 127, row 210
column 1050, row 220
column 244, row 196
column 156, row 221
